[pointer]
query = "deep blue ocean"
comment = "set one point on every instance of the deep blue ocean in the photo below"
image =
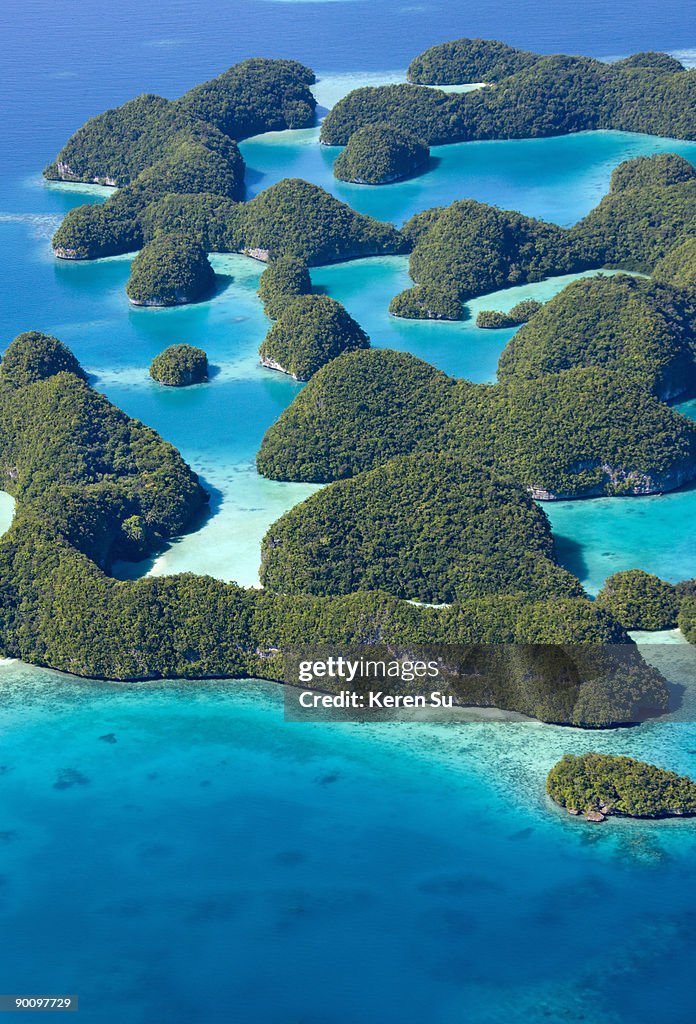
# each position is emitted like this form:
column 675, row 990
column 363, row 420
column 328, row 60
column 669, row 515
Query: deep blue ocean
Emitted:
column 177, row 852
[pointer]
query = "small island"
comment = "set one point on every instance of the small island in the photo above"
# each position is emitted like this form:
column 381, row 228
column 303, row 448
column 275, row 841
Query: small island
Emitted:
column 310, row 332
column 169, row 271
column 426, row 302
column 179, row 366
column 379, row 154
column 599, row 785
column 519, row 314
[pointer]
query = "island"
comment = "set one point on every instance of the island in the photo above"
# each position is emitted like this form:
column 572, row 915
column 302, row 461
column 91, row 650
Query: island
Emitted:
column 521, row 312
column 600, row 785
column 180, row 366
column 253, row 96
column 169, row 271
column 639, row 600
column 467, row 535
column 640, row 327
column 553, row 95
column 311, row 330
column 379, row 154
column 647, row 213
column 426, row 302
column 283, row 281
column 558, row 434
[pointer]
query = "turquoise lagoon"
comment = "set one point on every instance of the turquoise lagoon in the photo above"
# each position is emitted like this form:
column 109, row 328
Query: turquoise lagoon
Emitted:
column 177, row 851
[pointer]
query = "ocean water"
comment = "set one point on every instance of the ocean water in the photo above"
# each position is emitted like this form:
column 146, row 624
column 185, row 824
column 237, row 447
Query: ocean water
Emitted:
column 179, row 852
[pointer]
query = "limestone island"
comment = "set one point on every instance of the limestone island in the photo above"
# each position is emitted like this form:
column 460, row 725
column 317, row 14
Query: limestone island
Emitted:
column 379, row 154
column 519, row 314
column 312, row 330
column 171, row 270
column 599, row 785
column 179, row 366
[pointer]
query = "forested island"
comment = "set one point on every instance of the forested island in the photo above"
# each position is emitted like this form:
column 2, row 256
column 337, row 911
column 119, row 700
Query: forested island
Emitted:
column 309, row 332
column 168, row 271
column 528, row 96
column 468, row 248
column 379, row 154
column 599, row 785
column 180, row 366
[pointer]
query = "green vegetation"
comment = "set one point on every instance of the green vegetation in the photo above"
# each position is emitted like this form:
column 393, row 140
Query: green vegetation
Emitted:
column 678, row 267
column 93, row 485
column 34, row 356
column 580, row 433
column 252, row 97
column 534, row 97
column 151, row 148
column 291, row 218
column 203, row 218
column 603, row 784
column 649, row 209
column 468, row 60
column 312, row 330
column 80, row 468
column 378, row 154
column 356, row 413
column 257, row 95
column 295, row 218
column 423, row 528
column 469, row 249
column 639, row 600
column 122, row 223
column 283, row 281
column 639, row 327
column 519, row 314
column 483, row 60
column 652, row 60
column 686, row 619
column 169, row 271
column 179, row 366
column 426, row 302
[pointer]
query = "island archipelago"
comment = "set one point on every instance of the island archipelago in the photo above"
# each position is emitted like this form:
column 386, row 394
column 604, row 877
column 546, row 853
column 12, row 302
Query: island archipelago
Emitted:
column 581, row 407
